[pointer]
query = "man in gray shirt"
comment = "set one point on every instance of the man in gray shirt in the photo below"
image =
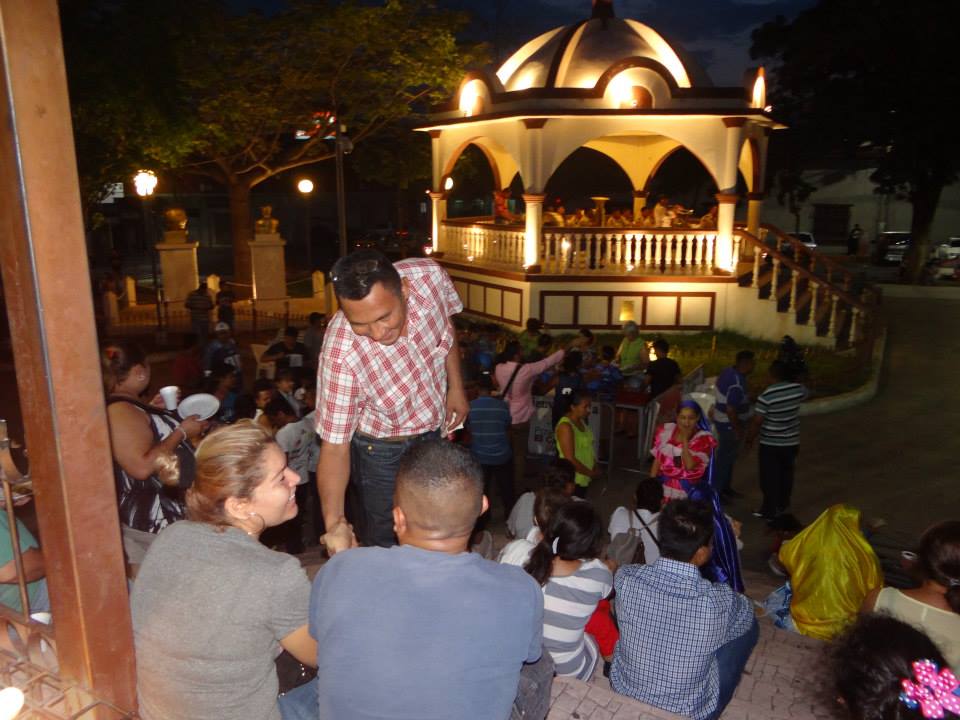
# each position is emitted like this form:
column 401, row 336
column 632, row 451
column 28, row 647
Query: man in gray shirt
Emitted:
column 425, row 629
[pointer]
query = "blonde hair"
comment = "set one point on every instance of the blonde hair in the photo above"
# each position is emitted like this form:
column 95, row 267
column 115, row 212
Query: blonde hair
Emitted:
column 229, row 465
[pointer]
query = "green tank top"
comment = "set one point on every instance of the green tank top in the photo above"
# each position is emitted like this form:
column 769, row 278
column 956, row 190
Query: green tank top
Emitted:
column 582, row 448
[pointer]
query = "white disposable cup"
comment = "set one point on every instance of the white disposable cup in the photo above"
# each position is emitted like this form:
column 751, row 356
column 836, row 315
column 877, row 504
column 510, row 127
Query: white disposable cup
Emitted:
column 169, row 395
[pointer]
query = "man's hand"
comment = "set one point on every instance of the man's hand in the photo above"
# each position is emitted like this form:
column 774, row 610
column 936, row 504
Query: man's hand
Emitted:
column 457, row 409
column 338, row 538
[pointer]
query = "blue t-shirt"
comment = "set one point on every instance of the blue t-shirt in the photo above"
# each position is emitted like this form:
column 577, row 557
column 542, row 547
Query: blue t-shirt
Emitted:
column 731, row 390
column 409, row 633
column 604, row 387
column 489, row 423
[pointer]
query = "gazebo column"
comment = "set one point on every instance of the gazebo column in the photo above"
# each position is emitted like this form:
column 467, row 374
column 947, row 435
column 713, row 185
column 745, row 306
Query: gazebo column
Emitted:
column 438, row 201
column 639, row 203
column 754, row 203
column 531, row 237
column 726, row 207
column 727, row 198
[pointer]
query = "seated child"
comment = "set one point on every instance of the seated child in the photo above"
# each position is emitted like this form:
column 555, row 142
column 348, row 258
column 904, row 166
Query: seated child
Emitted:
column 565, row 563
column 546, row 502
column 684, row 640
column 643, row 520
column 559, row 474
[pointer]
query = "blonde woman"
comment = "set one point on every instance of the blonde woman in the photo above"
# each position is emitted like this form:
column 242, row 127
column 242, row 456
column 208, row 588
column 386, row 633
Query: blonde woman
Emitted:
column 212, row 606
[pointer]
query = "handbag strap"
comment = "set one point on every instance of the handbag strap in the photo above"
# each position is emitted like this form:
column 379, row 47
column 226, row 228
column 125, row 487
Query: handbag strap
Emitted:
column 647, row 528
column 513, row 377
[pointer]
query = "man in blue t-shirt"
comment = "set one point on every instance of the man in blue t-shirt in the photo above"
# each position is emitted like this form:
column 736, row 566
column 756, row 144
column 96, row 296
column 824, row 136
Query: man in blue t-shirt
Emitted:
column 731, row 416
column 489, row 426
column 426, row 629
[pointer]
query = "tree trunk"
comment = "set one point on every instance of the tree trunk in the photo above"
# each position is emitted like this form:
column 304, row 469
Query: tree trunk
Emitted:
column 241, row 225
column 925, row 197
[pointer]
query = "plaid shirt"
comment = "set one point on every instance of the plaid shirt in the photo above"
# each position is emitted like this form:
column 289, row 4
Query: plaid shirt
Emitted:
column 672, row 622
column 390, row 390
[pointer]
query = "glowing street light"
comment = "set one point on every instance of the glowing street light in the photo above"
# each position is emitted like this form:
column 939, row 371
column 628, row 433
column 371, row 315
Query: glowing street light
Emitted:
column 305, row 186
column 448, row 184
column 145, row 182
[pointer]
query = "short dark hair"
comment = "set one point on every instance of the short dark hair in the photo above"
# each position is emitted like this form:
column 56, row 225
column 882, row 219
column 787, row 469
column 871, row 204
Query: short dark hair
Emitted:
column 649, row 495
column 685, row 527
column 661, row 345
column 355, row 275
column 744, row 356
column 780, row 371
column 586, row 332
column 558, row 473
column 278, row 406
column 939, row 559
column 546, row 501
column 440, row 474
column 510, row 351
column 285, row 374
column 485, row 382
column 572, row 361
column 314, row 316
column 291, row 331
column 261, row 384
column 534, row 324
column 544, row 341
column 870, row 661
column 608, row 352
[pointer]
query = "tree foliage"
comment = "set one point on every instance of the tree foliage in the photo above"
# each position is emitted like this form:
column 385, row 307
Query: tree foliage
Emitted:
column 865, row 83
column 226, row 93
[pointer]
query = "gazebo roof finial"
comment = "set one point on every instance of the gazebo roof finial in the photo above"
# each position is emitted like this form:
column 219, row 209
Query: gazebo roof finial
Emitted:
column 603, row 9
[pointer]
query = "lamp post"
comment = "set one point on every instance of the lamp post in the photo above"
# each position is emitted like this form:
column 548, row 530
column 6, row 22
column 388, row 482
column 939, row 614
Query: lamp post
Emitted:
column 145, row 182
column 343, row 146
column 305, row 186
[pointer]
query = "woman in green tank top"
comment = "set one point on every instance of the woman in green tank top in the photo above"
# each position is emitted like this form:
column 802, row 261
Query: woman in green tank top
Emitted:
column 575, row 441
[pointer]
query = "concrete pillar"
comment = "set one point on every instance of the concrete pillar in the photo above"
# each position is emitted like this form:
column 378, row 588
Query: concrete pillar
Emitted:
column 437, row 160
column 330, row 304
column 531, row 238
column 723, row 254
column 111, row 308
column 130, row 290
column 639, row 203
column 754, row 203
column 318, row 284
column 178, row 265
column 438, row 202
column 269, row 271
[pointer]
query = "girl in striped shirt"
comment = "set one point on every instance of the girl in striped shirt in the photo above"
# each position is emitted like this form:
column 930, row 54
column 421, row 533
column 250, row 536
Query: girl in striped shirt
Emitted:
column 574, row 582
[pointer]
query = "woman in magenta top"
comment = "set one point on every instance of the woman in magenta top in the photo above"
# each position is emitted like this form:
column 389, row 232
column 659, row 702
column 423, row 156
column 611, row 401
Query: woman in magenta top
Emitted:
column 681, row 453
column 519, row 396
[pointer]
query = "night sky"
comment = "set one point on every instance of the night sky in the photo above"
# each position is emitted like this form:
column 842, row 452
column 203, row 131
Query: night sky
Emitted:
column 715, row 32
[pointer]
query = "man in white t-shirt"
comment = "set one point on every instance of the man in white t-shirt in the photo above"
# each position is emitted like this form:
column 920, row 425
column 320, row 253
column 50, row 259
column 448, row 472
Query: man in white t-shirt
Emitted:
column 558, row 474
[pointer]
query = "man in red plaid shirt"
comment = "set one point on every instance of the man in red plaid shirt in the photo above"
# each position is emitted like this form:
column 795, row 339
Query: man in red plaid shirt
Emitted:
column 389, row 376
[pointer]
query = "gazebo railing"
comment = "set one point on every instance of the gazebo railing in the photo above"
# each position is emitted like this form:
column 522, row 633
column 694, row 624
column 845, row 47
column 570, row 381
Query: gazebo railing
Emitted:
column 581, row 250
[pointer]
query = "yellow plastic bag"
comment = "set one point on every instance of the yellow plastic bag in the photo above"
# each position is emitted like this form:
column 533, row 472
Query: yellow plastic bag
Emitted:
column 832, row 568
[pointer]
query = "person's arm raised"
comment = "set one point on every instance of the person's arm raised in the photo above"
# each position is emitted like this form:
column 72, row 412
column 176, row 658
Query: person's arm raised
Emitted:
column 333, row 474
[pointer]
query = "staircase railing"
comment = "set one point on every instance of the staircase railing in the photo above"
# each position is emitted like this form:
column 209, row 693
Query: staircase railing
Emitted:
column 849, row 319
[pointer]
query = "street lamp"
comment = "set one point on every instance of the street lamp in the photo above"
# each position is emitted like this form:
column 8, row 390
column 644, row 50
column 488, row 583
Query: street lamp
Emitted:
column 305, row 186
column 145, row 182
column 343, row 146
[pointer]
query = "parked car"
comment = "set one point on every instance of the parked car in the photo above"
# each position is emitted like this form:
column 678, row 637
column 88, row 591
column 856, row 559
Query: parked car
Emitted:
column 949, row 250
column 892, row 246
column 806, row 238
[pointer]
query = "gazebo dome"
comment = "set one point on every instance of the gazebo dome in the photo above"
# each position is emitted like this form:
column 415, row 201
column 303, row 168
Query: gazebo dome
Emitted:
column 579, row 55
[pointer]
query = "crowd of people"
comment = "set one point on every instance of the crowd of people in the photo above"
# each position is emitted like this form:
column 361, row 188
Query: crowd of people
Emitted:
column 662, row 214
column 403, row 620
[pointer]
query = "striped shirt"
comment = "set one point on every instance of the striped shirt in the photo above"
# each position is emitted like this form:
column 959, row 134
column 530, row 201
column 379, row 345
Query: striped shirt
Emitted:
column 779, row 406
column 568, row 603
column 489, row 426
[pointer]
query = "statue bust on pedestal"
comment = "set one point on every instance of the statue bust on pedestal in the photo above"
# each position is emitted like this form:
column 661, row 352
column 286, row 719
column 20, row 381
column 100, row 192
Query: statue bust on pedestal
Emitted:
column 174, row 225
column 266, row 224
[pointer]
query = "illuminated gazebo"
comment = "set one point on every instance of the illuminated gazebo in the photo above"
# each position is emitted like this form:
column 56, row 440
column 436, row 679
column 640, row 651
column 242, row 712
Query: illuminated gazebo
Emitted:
column 615, row 86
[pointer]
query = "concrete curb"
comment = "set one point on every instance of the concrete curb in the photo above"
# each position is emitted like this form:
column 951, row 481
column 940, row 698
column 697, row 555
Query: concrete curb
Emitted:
column 862, row 394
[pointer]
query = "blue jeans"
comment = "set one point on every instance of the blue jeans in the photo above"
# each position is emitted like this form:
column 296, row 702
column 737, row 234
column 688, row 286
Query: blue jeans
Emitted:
column 373, row 470
column 731, row 659
column 301, row 703
column 727, row 448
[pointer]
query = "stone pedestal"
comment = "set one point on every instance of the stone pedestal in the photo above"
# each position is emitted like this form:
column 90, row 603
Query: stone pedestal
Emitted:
column 178, row 265
column 130, row 290
column 269, row 271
